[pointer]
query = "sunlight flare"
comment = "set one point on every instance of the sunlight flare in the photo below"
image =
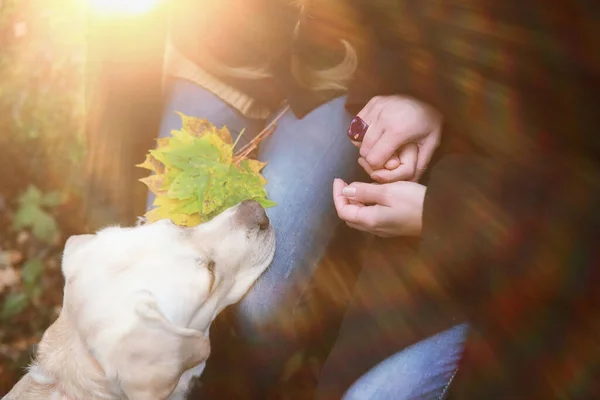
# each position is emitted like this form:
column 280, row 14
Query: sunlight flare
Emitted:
column 123, row 7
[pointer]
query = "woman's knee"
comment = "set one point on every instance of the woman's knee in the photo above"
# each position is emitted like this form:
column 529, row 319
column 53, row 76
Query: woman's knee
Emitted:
column 422, row 371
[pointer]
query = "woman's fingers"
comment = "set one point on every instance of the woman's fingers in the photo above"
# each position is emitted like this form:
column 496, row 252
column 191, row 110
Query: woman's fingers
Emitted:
column 369, row 110
column 365, row 165
column 357, row 227
column 366, row 193
column 359, row 216
column 370, row 114
column 372, row 137
column 392, row 163
column 426, row 150
column 383, row 149
column 406, row 169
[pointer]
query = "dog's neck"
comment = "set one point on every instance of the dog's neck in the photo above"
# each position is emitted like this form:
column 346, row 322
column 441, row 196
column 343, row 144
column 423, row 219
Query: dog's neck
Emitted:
column 63, row 369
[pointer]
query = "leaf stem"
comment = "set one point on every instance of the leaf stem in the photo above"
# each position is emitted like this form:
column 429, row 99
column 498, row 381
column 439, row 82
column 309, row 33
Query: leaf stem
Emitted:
column 244, row 151
column 238, row 138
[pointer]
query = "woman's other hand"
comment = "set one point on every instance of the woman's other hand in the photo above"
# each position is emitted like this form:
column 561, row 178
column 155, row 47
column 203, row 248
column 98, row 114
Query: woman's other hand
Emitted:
column 402, row 166
column 387, row 210
column 401, row 136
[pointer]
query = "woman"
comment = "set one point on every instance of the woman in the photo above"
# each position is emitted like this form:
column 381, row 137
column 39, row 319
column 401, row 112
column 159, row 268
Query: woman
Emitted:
column 508, row 228
column 234, row 65
column 459, row 61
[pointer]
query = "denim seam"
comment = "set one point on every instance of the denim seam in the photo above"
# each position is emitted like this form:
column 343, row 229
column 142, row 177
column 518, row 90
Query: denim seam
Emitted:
column 445, row 391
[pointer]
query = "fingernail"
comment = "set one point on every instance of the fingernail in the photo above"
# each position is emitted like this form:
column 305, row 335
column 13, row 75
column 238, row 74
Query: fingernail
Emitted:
column 349, row 191
column 375, row 177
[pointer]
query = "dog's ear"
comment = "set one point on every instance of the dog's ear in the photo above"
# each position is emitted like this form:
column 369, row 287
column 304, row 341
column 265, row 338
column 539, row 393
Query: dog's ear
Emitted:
column 73, row 243
column 77, row 240
column 155, row 353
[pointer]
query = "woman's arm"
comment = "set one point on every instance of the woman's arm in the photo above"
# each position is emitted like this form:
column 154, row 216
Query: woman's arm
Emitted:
column 485, row 221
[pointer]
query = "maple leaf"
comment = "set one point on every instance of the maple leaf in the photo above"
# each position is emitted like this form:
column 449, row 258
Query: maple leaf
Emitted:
column 195, row 175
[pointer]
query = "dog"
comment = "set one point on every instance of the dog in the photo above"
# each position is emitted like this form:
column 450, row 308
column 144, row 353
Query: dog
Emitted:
column 138, row 304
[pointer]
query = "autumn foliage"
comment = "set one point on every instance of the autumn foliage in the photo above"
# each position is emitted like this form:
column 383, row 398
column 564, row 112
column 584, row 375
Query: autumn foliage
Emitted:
column 196, row 175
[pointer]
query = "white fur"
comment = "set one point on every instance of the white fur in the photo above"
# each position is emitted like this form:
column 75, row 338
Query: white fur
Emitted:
column 138, row 305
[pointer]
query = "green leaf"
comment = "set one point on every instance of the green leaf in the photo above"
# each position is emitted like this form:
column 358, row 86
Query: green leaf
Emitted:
column 32, row 196
column 191, row 206
column 195, row 177
column 214, row 194
column 45, row 227
column 187, row 184
column 31, row 273
column 53, row 199
column 182, row 156
column 14, row 304
column 266, row 203
column 160, row 155
column 31, row 215
column 26, row 216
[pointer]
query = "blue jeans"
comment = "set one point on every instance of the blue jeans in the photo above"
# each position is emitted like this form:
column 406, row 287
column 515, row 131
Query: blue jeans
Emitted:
column 422, row 371
column 304, row 156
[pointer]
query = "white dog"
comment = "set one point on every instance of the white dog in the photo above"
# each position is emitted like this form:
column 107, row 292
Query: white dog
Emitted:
column 138, row 304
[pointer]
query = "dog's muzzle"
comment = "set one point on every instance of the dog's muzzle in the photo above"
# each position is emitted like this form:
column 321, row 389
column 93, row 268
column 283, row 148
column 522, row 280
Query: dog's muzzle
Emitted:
column 252, row 215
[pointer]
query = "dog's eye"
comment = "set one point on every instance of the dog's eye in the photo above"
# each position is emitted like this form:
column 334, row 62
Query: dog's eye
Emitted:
column 211, row 266
column 211, row 269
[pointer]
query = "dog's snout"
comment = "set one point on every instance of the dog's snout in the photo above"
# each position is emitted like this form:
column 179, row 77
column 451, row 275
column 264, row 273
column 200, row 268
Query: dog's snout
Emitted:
column 252, row 214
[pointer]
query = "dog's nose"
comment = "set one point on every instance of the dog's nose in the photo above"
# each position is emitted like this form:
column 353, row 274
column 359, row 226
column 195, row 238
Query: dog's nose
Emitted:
column 252, row 214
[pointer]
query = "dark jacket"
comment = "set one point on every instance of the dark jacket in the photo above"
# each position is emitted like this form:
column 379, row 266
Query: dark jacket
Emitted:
column 511, row 220
column 511, row 226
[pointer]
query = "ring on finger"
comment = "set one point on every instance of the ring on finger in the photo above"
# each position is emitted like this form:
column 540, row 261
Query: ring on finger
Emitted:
column 357, row 129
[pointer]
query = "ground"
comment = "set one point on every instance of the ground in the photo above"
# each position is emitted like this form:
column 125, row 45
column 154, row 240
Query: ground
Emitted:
column 28, row 307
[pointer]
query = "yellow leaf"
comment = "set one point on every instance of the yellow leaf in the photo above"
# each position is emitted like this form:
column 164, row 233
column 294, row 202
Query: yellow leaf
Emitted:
column 153, row 215
column 166, row 202
column 152, row 164
column 200, row 127
column 183, row 136
column 155, row 183
column 225, row 135
column 256, row 165
column 187, row 220
column 158, row 213
column 162, row 142
column 195, row 176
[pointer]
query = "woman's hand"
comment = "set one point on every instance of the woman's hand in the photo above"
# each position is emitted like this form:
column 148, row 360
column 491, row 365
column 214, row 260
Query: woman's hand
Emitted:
column 388, row 210
column 401, row 136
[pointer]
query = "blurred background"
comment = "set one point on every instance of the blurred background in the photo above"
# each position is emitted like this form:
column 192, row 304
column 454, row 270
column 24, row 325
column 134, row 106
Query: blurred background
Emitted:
column 58, row 60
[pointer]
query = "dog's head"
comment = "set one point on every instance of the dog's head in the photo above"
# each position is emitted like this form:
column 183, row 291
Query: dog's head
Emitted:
column 142, row 298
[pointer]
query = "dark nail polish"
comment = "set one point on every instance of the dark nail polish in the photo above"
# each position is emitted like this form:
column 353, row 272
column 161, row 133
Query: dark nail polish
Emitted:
column 357, row 129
